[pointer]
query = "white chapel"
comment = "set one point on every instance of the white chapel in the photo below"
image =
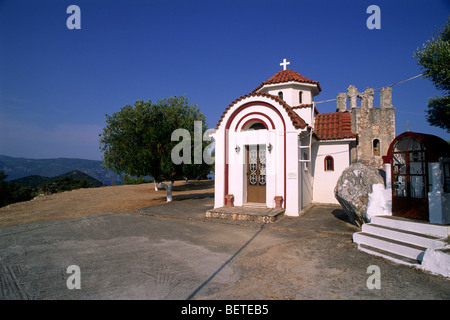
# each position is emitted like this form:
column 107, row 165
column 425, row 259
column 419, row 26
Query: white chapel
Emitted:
column 273, row 148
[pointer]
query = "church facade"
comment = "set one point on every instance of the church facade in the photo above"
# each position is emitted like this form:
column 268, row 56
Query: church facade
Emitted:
column 273, row 148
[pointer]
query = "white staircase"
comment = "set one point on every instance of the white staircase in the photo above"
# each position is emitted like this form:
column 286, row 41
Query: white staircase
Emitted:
column 400, row 240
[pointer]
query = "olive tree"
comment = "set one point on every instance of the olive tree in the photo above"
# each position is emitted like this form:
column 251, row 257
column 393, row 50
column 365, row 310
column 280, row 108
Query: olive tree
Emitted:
column 434, row 59
column 139, row 140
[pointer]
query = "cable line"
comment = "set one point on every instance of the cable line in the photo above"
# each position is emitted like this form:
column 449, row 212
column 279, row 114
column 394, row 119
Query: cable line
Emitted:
column 391, row 85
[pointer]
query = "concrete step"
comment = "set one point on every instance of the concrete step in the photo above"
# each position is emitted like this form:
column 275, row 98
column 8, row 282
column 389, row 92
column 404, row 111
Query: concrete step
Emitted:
column 246, row 213
column 415, row 238
column 422, row 227
column 389, row 255
column 400, row 248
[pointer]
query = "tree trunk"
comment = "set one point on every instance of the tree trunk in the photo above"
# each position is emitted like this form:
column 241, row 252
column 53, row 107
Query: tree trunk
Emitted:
column 168, row 190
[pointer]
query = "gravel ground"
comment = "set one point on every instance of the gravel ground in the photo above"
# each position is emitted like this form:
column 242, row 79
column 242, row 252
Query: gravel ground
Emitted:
column 171, row 251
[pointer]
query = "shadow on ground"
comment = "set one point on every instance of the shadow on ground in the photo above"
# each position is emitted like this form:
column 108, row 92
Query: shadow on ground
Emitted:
column 341, row 215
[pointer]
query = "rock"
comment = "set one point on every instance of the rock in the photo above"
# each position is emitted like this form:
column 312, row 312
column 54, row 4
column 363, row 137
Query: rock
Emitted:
column 353, row 189
column 437, row 261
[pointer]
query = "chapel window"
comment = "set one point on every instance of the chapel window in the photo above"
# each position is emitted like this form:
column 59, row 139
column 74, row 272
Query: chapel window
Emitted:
column 376, row 147
column 257, row 126
column 280, row 95
column 329, row 163
column 300, row 97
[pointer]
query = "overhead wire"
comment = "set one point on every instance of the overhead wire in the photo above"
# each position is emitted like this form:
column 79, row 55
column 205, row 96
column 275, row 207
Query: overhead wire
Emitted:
column 391, row 85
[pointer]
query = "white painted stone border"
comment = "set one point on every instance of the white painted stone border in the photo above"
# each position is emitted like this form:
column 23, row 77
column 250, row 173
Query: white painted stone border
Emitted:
column 437, row 261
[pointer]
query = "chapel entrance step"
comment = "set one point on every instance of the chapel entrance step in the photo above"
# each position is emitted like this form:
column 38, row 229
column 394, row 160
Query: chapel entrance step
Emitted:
column 400, row 248
column 401, row 240
column 389, row 255
column 260, row 214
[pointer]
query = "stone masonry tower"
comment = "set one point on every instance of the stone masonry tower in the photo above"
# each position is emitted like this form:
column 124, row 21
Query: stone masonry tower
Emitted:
column 375, row 126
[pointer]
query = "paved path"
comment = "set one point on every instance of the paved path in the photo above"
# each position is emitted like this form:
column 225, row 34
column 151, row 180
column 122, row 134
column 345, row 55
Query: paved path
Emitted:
column 173, row 252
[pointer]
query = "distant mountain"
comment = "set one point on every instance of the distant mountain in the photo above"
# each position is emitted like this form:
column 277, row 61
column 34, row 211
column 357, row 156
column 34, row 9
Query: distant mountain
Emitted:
column 17, row 168
column 32, row 181
column 36, row 180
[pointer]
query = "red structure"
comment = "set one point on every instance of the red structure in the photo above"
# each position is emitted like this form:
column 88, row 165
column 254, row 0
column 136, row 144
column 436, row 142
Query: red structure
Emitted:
column 409, row 156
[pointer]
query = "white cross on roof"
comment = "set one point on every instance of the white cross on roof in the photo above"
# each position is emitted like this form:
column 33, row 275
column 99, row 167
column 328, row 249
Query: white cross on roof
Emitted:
column 284, row 64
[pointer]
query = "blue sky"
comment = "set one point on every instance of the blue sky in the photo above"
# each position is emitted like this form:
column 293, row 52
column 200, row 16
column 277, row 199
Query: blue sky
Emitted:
column 56, row 84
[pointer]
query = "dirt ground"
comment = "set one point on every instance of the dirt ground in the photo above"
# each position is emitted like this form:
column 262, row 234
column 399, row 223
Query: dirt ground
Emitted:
column 86, row 202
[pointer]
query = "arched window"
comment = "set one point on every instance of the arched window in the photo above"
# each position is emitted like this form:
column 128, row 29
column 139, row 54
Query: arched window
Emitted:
column 329, row 163
column 376, row 147
column 257, row 126
column 300, row 97
column 280, row 95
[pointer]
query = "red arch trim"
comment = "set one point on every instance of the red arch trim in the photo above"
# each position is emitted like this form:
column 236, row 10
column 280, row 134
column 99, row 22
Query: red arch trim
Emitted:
column 227, row 128
column 436, row 146
column 256, row 113
column 254, row 119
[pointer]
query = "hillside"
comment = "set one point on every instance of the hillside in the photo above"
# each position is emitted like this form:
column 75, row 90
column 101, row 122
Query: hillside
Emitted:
column 36, row 180
column 26, row 188
column 17, row 168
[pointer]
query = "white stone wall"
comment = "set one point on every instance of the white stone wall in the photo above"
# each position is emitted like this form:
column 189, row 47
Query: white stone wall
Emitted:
column 325, row 181
column 291, row 92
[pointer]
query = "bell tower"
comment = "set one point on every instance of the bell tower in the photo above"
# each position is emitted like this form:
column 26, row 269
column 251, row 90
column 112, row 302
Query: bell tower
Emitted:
column 294, row 89
column 375, row 126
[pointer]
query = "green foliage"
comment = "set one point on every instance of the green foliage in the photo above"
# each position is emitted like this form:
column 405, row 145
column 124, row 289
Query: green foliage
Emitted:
column 438, row 112
column 137, row 140
column 27, row 188
column 63, row 184
column 77, row 176
column 11, row 192
column 434, row 59
column 127, row 179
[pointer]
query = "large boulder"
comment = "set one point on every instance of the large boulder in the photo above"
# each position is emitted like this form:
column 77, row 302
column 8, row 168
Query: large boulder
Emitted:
column 353, row 189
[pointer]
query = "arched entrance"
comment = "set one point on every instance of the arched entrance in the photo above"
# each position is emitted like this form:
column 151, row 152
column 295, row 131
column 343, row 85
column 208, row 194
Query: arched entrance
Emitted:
column 409, row 179
column 257, row 186
column 409, row 155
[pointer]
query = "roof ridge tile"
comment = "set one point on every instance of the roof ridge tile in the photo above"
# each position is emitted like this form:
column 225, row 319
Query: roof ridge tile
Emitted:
column 287, row 75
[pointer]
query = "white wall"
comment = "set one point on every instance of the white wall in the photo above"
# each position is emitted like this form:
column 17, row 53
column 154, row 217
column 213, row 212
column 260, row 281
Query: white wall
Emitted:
column 292, row 185
column 305, row 114
column 291, row 92
column 325, row 181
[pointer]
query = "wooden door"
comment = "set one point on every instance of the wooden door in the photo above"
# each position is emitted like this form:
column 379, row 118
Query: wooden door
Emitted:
column 256, row 173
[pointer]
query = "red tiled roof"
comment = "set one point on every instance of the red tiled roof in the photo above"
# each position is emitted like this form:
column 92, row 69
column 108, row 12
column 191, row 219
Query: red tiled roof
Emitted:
column 296, row 120
column 333, row 126
column 287, row 76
